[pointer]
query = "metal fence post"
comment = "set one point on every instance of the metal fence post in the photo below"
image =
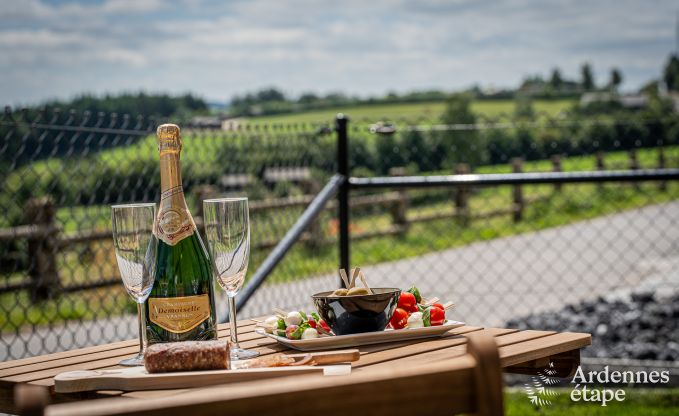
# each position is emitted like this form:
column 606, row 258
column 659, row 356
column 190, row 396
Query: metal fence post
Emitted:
column 341, row 123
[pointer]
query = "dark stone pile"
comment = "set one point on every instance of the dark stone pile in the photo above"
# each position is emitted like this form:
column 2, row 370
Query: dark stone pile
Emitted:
column 641, row 326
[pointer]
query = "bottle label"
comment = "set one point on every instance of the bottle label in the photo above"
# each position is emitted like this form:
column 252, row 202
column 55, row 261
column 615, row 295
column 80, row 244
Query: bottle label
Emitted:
column 180, row 314
column 173, row 224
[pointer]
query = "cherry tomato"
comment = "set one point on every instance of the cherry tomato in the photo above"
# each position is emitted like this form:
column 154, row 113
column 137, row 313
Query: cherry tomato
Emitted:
column 324, row 326
column 407, row 302
column 438, row 305
column 437, row 316
column 399, row 319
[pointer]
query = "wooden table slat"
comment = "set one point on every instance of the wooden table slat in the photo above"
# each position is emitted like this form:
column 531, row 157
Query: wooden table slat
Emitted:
column 52, row 368
column 245, row 325
column 389, row 354
column 515, row 347
column 265, row 346
column 458, row 349
column 543, row 347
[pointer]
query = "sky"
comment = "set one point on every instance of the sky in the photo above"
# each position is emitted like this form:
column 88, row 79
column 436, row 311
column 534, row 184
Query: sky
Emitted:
column 59, row 49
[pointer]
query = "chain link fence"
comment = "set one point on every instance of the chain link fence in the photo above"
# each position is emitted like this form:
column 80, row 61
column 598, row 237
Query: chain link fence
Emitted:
column 498, row 252
column 61, row 172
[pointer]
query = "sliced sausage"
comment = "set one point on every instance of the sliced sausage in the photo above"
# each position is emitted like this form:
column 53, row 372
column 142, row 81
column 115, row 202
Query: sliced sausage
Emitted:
column 187, row 356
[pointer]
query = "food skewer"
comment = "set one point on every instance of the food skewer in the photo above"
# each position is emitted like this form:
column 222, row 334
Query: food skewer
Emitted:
column 354, row 275
column 431, row 301
column 365, row 282
column 345, row 278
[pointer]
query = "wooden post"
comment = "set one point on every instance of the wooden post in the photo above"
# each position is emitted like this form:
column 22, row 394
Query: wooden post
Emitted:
column 313, row 187
column 634, row 164
column 517, row 191
column 42, row 248
column 633, row 160
column 462, row 196
column 399, row 210
column 201, row 193
column 556, row 167
column 661, row 165
column 600, row 165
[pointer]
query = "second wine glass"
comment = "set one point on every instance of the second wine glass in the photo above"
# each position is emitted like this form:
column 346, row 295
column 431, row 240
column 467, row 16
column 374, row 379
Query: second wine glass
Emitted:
column 227, row 229
column 135, row 248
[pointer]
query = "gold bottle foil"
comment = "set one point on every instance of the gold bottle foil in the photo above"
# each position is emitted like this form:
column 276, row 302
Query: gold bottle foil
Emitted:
column 173, row 222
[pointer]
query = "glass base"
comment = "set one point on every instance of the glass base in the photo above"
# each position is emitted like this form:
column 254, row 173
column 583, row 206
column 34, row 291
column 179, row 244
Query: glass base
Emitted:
column 241, row 354
column 133, row 362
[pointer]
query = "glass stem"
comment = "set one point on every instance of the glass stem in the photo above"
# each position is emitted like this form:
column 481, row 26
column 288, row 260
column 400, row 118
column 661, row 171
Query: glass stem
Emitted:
column 142, row 329
column 232, row 321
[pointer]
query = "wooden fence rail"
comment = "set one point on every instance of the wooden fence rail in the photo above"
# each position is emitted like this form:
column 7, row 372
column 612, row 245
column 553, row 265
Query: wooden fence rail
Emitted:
column 45, row 239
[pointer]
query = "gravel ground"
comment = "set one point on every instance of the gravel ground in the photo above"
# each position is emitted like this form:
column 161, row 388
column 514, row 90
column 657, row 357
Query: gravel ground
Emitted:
column 643, row 325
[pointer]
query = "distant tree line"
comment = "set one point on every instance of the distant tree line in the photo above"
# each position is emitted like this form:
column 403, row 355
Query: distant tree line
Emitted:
column 21, row 144
column 558, row 86
column 141, row 103
column 271, row 100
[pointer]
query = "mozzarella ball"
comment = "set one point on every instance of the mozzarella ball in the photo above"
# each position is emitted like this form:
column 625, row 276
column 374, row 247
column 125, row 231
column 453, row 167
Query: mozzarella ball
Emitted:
column 293, row 318
column 270, row 324
column 310, row 333
column 415, row 320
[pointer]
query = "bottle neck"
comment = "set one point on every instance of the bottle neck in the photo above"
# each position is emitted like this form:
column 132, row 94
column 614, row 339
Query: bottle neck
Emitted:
column 173, row 221
column 171, row 179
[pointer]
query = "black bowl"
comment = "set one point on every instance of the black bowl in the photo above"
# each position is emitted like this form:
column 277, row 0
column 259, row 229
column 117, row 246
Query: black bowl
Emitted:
column 357, row 313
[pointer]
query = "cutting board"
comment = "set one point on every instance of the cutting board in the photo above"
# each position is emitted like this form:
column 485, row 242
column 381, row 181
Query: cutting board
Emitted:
column 136, row 378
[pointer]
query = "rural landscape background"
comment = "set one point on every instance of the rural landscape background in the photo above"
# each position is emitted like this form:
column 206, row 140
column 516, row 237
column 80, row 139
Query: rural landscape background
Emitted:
column 599, row 258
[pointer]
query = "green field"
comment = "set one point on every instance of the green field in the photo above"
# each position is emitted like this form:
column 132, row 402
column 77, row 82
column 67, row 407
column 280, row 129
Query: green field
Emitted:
column 427, row 111
column 647, row 402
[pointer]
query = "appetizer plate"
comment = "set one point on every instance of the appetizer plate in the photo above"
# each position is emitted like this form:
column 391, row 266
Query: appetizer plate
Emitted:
column 365, row 338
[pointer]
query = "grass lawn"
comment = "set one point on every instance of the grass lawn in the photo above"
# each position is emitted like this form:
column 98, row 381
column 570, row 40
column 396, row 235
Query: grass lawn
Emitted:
column 647, row 402
column 427, row 111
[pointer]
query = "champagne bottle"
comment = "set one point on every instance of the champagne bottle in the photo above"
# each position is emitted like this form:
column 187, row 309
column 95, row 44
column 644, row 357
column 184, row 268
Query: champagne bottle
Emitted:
column 181, row 305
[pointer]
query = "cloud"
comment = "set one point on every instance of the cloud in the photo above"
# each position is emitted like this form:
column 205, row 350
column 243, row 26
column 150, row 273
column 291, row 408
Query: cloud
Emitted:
column 219, row 48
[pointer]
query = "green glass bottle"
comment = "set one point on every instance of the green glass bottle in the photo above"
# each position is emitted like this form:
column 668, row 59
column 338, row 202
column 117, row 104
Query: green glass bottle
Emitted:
column 181, row 305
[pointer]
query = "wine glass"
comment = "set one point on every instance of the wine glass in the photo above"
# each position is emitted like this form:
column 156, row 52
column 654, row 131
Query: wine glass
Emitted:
column 227, row 229
column 135, row 247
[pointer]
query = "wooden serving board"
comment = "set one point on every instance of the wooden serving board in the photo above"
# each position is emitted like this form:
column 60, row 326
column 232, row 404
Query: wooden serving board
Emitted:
column 136, row 378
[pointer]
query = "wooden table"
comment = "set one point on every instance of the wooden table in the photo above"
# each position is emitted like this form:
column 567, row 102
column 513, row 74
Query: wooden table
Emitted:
column 520, row 352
